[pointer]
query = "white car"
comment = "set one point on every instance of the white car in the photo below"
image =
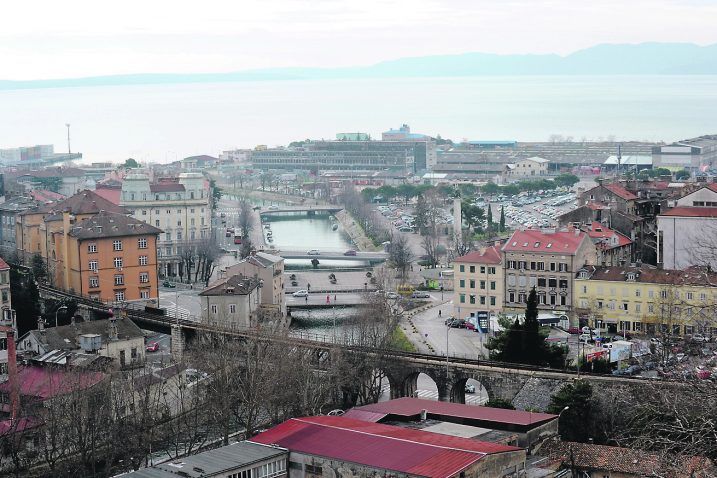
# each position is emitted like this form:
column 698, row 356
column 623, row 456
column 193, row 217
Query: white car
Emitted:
column 273, row 207
column 313, row 252
column 301, row 293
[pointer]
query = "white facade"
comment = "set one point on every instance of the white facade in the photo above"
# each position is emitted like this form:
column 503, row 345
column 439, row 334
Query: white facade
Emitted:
column 270, row 270
column 534, row 166
column 233, row 303
column 181, row 208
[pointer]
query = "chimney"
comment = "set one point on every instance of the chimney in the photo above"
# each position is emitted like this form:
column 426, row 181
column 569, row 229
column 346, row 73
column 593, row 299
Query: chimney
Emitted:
column 12, row 373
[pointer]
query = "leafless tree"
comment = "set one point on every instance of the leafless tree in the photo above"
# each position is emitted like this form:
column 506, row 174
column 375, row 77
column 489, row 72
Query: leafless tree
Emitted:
column 400, row 255
column 461, row 244
column 246, row 217
column 186, row 252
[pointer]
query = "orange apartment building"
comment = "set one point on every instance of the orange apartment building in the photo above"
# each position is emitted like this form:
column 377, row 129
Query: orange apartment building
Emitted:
column 93, row 251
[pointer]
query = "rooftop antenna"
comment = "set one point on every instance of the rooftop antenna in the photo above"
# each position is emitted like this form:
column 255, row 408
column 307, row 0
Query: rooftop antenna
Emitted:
column 69, row 151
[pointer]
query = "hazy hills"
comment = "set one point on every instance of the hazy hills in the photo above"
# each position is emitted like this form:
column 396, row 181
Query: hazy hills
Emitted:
column 607, row 59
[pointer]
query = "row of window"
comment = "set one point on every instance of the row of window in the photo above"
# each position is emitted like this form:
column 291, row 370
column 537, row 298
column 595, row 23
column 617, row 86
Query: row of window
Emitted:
column 119, row 295
column 543, row 299
column 472, row 284
column 532, row 281
column 117, row 245
column 215, row 309
column 674, row 329
column 119, row 279
column 179, row 222
column 483, row 269
column 472, row 299
column 625, row 307
column 704, row 203
column 162, row 197
column 538, row 266
column 192, row 234
column 118, row 263
column 169, row 211
column 269, row 470
column 651, row 293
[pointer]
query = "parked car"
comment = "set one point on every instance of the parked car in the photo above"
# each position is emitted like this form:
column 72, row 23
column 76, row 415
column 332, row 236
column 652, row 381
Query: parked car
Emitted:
column 449, row 319
column 301, row 293
column 469, row 325
column 585, row 338
column 629, row 371
column 152, row 347
column 457, row 324
column 699, row 338
column 470, row 388
column 420, row 294
column 350, row 252
column 273, row 207
column 313, row 252
column 392, row 295
column 574, row 330
column 168, row 284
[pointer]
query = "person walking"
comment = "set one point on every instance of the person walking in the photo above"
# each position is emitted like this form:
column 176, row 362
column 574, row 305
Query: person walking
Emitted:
column 328, row 299
column 334, row 298
column 439, row 313
column 306, row 299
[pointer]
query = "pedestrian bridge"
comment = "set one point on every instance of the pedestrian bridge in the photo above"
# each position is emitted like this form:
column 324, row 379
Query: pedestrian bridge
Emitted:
column 303, row 210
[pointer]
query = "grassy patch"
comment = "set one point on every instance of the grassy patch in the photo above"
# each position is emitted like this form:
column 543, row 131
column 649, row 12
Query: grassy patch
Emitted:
column 399, row 341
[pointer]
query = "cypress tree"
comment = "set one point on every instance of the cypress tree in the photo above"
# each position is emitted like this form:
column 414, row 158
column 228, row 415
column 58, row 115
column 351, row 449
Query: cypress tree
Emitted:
column 502, row 219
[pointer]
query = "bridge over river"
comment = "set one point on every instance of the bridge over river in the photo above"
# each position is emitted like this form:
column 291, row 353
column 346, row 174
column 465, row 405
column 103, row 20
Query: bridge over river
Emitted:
column 500, row 380
column 304, row 210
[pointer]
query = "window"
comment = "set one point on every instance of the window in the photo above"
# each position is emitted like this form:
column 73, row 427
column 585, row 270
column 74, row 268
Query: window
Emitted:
column 214, row 308
column 313, row 469
column 143, row 260
column 541, row 266
column 563, row 300
column 638, row 307
column 462, row 298
column 482, row 284
column 144, row 212
column 92, row 248
column 94, row 281
column 511, row 265
column 511, row 280
column 482, row 269
column 532, row 266
column 541, row 299
column 552, row 266
column 583, row 303
column 689, row 296
column 118, row 263
column 156, row 223
column 637, row 292
column 133, row 353
column 93, row 265
column 492, row 285
column 521, row 298
column 119, row 279
column 522, row 281
column 511, row 297
column 563, row 283
column 156, row 211
column 541, row 281
column 472, row 299
column 119, row 296
column 482, row 300
column 703, row 296
column 473, row 284
column 462, row 268
column 179, row 235
column 491, row 270
column 624, row 306
column 142, row 243
column 585, row 289
column 492, row 300
column 168, row 236
column 472, row 269
column 663, row 294
column 232, row 308
column 599, row 304
column 116, row 245
column 192, row 210
column 462, row 283
column 650, row 308
column 552, row 283
column 179, row 222
column 563, row 267
column 650, row 293
column 144, row 294
column 143, row 277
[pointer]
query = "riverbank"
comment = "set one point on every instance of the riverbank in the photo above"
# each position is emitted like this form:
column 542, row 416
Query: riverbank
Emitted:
column 355, row 232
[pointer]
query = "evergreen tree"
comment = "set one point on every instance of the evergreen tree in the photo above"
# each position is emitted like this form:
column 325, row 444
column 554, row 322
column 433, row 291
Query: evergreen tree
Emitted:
column 576, row 421
column 502, row 219
column 490, row 216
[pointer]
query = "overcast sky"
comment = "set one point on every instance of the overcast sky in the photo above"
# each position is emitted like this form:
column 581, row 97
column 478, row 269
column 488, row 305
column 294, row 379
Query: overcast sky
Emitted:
column 51, row 39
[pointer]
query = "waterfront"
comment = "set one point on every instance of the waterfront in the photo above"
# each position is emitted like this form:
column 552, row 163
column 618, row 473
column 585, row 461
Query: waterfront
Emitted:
column 163, row 123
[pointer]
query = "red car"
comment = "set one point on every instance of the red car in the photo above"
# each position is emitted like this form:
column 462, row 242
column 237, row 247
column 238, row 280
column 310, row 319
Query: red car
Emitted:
column 152, row 347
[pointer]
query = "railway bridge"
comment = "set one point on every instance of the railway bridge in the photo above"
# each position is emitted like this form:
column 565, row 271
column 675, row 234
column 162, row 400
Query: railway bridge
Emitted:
column 500, row 380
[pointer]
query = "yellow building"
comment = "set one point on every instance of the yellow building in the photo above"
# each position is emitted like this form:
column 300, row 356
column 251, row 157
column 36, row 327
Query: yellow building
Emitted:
column 647, row 300
column 478, row 282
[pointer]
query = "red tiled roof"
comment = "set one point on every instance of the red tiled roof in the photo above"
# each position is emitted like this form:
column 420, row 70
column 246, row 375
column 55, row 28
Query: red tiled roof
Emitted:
column 83, row 202
column 491, row 255
column 600, row 231
column 3, row 265
column 652, row 275
column 534, row 240
column 45, row 383
column 620, row 191
column 408, row 406
column 385, row 447
column 45, row 196
column 595, row 205
column 712, row 187
column 691, row 211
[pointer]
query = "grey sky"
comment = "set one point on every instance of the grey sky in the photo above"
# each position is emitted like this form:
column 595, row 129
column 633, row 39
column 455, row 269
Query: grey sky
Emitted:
column 49, row 39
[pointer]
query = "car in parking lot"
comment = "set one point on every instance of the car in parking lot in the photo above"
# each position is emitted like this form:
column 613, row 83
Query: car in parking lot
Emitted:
column 301, row 293
column 699, row 338
column 420, row 294
column 629, row 371
column 456, row 323
column 313, row 252
column 152, row 347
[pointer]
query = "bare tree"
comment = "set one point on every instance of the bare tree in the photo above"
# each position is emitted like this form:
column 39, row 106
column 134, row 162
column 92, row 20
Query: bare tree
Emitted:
column 400, row 255
column 246, row 217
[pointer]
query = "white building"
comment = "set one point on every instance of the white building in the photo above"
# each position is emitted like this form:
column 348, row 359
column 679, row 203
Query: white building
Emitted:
column 232, row 302
column 534, row 166
column 687, row 233
column 181, row 207
column 270, row 270
column 6, row 314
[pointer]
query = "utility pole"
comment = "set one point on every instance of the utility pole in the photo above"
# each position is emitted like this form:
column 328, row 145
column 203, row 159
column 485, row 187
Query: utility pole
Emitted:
column 69, row 150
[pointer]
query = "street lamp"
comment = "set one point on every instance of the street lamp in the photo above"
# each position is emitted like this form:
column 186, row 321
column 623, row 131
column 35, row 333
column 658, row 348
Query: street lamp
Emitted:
column 62, row 307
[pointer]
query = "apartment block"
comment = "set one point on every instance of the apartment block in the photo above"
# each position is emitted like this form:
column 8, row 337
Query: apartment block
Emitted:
column 548, row 261
column 478, row 282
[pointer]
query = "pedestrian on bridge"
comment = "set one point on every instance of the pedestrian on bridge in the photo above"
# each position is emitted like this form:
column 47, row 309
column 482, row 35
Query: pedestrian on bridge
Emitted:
column 334, row 298
column 328, row 299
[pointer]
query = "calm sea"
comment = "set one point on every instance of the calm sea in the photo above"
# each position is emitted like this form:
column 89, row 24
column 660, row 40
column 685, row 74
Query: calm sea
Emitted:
column 163, row 122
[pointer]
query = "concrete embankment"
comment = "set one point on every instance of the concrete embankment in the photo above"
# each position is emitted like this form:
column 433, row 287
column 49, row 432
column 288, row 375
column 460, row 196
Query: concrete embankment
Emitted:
column 354, row 230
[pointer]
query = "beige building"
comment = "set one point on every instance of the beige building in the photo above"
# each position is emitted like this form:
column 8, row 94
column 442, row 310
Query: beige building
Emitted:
column 534, row 166
column 478, row 282
column 180, row 206
column 548, row 261
column 267, row 268
column 232, row 302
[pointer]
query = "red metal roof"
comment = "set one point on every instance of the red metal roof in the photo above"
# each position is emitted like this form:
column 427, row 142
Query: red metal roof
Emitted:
column 364, row 415
column 491, row 255
column 620, row 191
column 3, row 265
column 408, row 406
column 534, row 240
column 712, row 187
column 691, row 211
column 386, row 447
column 45, row 383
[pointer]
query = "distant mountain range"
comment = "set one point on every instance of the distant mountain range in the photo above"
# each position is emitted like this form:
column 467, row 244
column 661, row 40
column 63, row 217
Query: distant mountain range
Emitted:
column 607, row 59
